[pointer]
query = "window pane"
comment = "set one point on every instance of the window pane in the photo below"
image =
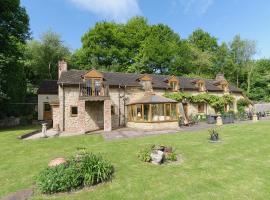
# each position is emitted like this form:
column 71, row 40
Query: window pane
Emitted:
column 139, row 113
column 47, row 107
column 89, row 87
column 155, row 114
column 201, row 107
column 161, row 112
column 167, row 111
column 97, row 84
column 146, row 112
column 134, row 113
column 74, row 110
column 174, row 111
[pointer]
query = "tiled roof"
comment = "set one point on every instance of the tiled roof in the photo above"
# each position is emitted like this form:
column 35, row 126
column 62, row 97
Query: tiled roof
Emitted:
column 152, row 98
column 48, row 87
column 73, row 77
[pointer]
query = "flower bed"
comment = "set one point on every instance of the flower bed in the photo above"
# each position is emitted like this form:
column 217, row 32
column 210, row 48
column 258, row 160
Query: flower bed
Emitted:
column 158, row 154
column 83, row 169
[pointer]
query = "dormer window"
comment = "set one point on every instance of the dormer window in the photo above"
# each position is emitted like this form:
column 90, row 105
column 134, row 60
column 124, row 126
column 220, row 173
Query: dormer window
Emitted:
column 173, row 83
column 225, row 87
column 201, row 85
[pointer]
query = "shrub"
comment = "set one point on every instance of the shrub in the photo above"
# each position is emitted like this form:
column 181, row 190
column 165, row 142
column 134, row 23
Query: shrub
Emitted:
column 145, row 154
column 171, row 156
column 242, row 103
column 85, row 169
column 59, row 179
column 93, row 168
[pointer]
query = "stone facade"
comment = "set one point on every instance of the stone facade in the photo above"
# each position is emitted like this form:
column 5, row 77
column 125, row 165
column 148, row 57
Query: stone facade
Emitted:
column 44, row 98
column 153, row 125
column 112, row 113
column 77, row 114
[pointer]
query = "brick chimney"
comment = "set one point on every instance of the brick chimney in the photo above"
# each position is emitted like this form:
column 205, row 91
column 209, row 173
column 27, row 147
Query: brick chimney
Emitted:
column 62, row 66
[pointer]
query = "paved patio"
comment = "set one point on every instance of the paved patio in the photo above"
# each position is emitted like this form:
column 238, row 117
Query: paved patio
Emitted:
column 131, row 133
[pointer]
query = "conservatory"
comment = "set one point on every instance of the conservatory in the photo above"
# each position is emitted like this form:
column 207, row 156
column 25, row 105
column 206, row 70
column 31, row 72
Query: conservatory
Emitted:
column 153, row 112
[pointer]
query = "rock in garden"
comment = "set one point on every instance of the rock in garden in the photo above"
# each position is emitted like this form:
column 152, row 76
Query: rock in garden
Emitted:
column 168, row 150
column 57, row 161
column 157, row 157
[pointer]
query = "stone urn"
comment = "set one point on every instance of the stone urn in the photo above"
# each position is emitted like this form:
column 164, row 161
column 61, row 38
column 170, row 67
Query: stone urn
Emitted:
column 254, row 117
column 219, row 120
column 157, row 157
column 57, row 161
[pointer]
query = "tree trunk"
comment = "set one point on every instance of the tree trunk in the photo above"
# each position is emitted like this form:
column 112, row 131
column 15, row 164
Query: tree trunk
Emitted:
column 249, row 77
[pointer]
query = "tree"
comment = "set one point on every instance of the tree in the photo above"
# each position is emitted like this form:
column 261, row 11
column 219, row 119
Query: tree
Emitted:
column 242, row 52
column 112, row 46
column 203, row 40
column 260, row 86
column 158, row 51
column 14, row 31
column 42, row 57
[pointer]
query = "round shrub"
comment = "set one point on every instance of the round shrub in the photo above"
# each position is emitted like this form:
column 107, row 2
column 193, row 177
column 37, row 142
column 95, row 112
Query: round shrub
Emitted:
column 85, row 169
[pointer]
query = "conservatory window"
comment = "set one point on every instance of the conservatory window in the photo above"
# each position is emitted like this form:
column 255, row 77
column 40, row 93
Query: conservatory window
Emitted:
column 157, row 112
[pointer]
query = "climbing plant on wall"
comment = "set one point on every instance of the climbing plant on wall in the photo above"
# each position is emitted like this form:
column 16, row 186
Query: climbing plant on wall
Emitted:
column 214, row 101
column 242, row 103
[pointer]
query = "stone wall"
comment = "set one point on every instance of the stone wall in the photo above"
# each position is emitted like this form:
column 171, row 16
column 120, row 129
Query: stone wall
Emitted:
column 153, row 126
column 42, row 98
column 94, row 119
column 94, row 116
column 55, row 116
column 9, row 122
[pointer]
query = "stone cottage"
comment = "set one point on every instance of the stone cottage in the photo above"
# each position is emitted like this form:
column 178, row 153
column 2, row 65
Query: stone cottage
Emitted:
column 92, row 100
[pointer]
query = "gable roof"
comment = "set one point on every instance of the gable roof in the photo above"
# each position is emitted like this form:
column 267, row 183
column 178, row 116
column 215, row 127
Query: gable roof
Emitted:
column 73, row 77
column 48, row 87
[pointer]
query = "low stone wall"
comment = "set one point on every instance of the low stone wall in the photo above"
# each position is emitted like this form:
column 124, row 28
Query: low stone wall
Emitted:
column 9, row 122
column 153, row 126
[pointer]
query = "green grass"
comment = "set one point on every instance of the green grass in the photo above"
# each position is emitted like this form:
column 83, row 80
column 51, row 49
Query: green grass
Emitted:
column 236, row 168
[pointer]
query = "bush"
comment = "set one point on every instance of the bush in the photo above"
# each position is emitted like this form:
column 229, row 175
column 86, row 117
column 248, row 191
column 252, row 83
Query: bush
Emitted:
column 85, row 169
column 59, row 179
column 145, row 154
column 171, row 156
column 93, row 168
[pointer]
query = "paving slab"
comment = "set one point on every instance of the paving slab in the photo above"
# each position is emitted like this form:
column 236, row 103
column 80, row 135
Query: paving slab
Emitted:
column 19, row 195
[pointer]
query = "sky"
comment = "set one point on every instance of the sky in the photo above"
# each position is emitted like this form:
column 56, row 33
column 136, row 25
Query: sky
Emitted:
column 221, row 18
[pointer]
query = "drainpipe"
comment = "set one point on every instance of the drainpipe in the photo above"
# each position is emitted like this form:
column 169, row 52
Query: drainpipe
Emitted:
column 63, row 107
column 124, row 99
column 119, row 108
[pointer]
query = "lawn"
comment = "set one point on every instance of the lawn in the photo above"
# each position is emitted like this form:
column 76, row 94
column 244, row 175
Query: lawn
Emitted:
column 236, row 168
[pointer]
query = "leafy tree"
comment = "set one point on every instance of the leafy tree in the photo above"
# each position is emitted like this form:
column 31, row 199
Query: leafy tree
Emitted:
column 260, row 86
column 203, row 40
column 241, row 52
column 14, row 31
column 112, row 46
column 158, row 51
column 42, row 57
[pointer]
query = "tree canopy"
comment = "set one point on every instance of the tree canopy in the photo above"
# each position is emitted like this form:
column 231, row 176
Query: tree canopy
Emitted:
column 14, row 31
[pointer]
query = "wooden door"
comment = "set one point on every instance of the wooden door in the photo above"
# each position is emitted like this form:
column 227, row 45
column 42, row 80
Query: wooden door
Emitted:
column 47, row 111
